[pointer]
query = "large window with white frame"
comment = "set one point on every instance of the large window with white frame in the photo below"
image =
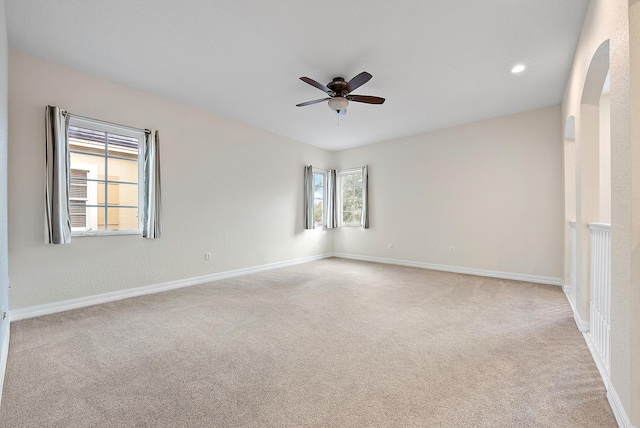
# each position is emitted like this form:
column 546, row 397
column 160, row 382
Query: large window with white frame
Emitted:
column 105, row 189
column 320, row 197
column 349, row 197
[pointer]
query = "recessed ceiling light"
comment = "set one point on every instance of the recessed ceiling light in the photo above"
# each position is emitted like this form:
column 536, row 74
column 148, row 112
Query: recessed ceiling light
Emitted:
column 518, row 68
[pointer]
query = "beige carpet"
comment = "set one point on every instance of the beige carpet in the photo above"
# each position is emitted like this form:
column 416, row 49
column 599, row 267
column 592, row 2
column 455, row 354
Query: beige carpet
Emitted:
column 328, row 343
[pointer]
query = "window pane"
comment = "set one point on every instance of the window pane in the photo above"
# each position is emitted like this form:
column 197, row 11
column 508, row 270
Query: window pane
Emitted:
column 349, row 193
column 122, row 146
column 123, row 170
column 122, row 194
column 86, row 140
column 77, row 190
column 351, row 198
column 93, row 165
column 357, row 205
column 78, row 213
column 119, row 169
column 98, row 214
column 123, row 218
column 318, row 179
column 318, row 211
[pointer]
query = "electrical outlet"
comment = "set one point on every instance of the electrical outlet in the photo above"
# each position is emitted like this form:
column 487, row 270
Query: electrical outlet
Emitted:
column 453, row 250
column 207, row 256
column 390, row 247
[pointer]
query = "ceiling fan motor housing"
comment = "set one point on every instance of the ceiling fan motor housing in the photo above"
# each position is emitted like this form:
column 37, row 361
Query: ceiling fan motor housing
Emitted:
column 337, row 85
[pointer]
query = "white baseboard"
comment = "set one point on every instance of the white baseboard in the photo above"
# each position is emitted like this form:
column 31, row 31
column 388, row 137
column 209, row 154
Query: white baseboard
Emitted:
column 617, row 408
column 596, row 359
column 4, row 353
column 81, row 302
column 457, row 269
column 582, row 325
column 612, row 396
column 51, row 308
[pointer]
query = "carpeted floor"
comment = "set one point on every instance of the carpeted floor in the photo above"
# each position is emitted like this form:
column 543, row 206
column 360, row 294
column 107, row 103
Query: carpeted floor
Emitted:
column 328, row 343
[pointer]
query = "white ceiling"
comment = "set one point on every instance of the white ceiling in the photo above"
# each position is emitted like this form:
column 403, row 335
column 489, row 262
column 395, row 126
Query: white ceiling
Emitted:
column 438, row 63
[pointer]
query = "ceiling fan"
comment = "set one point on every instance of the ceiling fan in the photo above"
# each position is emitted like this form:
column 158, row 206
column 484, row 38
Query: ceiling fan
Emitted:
column 339, row 92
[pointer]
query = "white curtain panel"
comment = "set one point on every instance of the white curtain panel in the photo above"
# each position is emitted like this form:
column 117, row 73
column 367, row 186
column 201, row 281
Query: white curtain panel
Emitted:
column 57, row 175
column 309, row 221
column 364, row 220
column 152, row 225
column 332, row 201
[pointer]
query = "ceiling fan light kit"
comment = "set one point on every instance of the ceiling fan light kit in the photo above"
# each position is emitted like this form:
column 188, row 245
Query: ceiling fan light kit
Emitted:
column 339, row 92
column 338, row 103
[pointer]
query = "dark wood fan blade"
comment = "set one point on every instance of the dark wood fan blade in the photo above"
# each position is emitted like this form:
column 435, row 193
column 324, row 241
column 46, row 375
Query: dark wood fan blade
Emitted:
column 365, row 99
column 357, row 81
column 317, row 85
column 308, row 103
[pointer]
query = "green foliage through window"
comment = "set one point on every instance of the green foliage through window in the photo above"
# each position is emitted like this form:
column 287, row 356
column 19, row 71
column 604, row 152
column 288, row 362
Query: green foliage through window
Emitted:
column 351, row 191
column 318, row 197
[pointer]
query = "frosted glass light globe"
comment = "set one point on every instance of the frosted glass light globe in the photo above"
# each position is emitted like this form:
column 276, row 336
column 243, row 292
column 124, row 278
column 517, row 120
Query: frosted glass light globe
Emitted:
column 338, row 103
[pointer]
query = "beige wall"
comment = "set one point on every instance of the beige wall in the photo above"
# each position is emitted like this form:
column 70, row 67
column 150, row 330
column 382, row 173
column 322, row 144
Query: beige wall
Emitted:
column 478, row 183
column 228, row 189
column 4, row 257
column 604, row 158
column 492, row 190
column 634, row 140
column 608, row 20
column 570, row 182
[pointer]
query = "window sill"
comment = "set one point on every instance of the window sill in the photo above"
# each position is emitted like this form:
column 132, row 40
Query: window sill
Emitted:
column 105, row 233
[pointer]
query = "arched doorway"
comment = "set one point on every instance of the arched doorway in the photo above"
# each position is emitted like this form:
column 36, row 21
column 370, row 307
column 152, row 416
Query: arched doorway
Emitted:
column 593, row 205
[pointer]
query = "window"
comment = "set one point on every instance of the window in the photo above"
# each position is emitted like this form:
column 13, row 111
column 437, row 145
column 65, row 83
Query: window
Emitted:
column 349, row 197
column 105, row 196
column 319, row 197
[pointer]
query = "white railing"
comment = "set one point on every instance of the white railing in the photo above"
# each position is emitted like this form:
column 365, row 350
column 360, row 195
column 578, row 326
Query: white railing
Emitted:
column 571, row 290
column 600, row 292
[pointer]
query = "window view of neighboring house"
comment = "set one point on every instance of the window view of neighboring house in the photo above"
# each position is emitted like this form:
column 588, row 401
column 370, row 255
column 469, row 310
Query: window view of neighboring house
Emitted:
column 105, row 175
column 350, row 197
column 78, row 198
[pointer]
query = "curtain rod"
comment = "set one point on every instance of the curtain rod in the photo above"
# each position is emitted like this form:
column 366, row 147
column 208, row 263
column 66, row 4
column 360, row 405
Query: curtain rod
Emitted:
column 77, row 116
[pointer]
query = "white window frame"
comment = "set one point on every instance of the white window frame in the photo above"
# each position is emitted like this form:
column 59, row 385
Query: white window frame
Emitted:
column 101, row 126
column 324, row 174
column 340, row 174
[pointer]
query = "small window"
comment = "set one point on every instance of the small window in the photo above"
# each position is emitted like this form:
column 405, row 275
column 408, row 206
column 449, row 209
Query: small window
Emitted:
column 350, row 197
column 105, row 196
column 319, row 197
